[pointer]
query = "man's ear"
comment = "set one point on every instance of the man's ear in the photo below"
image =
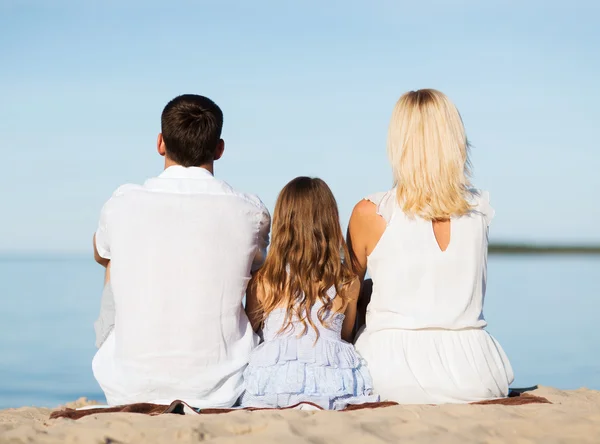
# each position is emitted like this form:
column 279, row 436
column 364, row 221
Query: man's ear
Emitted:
column 160, row 145
column 220, row 149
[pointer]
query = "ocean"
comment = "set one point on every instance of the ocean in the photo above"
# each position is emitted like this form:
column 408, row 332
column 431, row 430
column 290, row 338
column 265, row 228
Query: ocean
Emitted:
column 542, row 309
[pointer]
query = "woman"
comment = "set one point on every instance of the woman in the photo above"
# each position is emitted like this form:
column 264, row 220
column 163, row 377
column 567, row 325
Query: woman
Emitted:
column 425, row 246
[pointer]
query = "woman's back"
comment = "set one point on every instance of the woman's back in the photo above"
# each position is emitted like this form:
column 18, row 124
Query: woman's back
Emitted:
column 416, row 283
column 425, row 246
column 424, row 339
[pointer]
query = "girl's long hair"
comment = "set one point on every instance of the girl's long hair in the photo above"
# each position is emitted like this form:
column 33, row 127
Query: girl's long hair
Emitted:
column 306, row 257
column 429, row 154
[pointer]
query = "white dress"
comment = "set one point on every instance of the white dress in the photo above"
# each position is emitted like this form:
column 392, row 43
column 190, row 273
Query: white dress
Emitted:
column 424, row 339
column 293, row 365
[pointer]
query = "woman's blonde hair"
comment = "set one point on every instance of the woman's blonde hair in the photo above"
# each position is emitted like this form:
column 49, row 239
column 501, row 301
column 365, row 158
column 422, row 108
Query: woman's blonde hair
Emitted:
column 429, row 153
column 305, row 258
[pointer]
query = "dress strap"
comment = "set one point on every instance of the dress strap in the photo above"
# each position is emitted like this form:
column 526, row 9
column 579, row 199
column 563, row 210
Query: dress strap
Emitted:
column 331, row 292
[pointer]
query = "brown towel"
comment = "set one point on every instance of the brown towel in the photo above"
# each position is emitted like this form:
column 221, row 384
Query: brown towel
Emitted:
column 516, row 399
column 179, row 407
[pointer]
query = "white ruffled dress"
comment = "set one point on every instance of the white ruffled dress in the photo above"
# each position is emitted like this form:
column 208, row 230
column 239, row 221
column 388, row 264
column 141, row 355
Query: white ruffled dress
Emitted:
column 289, row 368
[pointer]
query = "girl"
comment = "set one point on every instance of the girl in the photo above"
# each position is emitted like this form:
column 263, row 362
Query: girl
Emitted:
column 304, row 298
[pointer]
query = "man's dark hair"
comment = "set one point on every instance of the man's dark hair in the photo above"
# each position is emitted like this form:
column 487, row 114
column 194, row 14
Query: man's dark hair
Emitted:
column 191, row 129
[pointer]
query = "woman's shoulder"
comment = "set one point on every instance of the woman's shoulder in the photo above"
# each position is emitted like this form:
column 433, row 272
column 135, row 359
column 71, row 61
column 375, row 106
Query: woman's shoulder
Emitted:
column 383, row 201
column 480, row 202
column 381, row 196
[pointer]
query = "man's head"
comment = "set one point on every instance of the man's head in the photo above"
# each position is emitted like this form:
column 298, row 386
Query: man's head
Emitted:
column 191, row 131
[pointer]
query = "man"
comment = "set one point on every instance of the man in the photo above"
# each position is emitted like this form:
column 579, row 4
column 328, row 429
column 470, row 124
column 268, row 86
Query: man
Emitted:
column 181, row 250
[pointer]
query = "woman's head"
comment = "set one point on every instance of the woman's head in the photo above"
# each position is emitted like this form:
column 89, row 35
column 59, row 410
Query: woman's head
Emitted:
column 305, row 257
column 429, row 152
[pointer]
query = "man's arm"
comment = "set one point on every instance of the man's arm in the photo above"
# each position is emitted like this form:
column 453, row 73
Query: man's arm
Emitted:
column 102, row 261
column 253, row 307
column 101, row 239
column 264, row 229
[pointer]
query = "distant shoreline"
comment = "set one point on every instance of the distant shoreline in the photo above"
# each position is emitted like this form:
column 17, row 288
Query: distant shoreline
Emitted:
column 510, row 248
column 495, row 248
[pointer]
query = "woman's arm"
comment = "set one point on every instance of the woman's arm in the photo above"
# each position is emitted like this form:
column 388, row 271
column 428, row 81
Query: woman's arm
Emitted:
column 253, row 309
column 350, row 312
column 364, row 231
column 107, row 274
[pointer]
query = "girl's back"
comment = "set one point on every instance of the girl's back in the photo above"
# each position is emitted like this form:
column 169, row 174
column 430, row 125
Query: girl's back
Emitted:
column 276, row 328
column 298, row 364
column 304, row 298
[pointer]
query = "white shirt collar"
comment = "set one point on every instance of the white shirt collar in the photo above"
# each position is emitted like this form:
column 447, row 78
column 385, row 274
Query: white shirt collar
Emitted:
column 181, row 172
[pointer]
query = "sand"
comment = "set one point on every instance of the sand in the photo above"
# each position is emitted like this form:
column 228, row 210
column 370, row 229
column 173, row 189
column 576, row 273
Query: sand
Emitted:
column 573, row 417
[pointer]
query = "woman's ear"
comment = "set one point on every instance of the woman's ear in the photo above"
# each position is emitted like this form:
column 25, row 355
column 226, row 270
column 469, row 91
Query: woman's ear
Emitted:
column 160, row 145
column 220, row 149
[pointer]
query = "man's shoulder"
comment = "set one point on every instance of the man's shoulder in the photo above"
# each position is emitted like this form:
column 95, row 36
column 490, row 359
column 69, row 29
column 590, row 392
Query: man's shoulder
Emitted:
column 127, row 188
column 252, row 199
column 247, row 198
column 123, row 195
column 119, row 194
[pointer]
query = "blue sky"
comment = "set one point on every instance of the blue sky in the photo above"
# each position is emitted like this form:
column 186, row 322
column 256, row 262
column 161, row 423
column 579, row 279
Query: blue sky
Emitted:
column 307, row 88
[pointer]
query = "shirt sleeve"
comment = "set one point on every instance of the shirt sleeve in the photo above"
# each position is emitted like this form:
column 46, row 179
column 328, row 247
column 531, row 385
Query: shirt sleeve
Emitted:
column 106, row 321
column 104, row 226
column 102, row 233
column 264, row 229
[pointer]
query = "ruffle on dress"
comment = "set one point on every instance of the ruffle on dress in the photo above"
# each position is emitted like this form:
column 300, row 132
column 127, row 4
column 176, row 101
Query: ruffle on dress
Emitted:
column 330, row 368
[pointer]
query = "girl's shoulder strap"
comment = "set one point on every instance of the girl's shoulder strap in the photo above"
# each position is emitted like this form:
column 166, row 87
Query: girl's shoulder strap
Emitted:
column 385, row 202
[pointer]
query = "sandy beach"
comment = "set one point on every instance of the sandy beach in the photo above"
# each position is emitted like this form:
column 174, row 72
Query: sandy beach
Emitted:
column 574, row 417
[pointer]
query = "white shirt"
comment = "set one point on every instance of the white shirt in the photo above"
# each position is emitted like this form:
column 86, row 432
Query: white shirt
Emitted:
column 182, row 247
